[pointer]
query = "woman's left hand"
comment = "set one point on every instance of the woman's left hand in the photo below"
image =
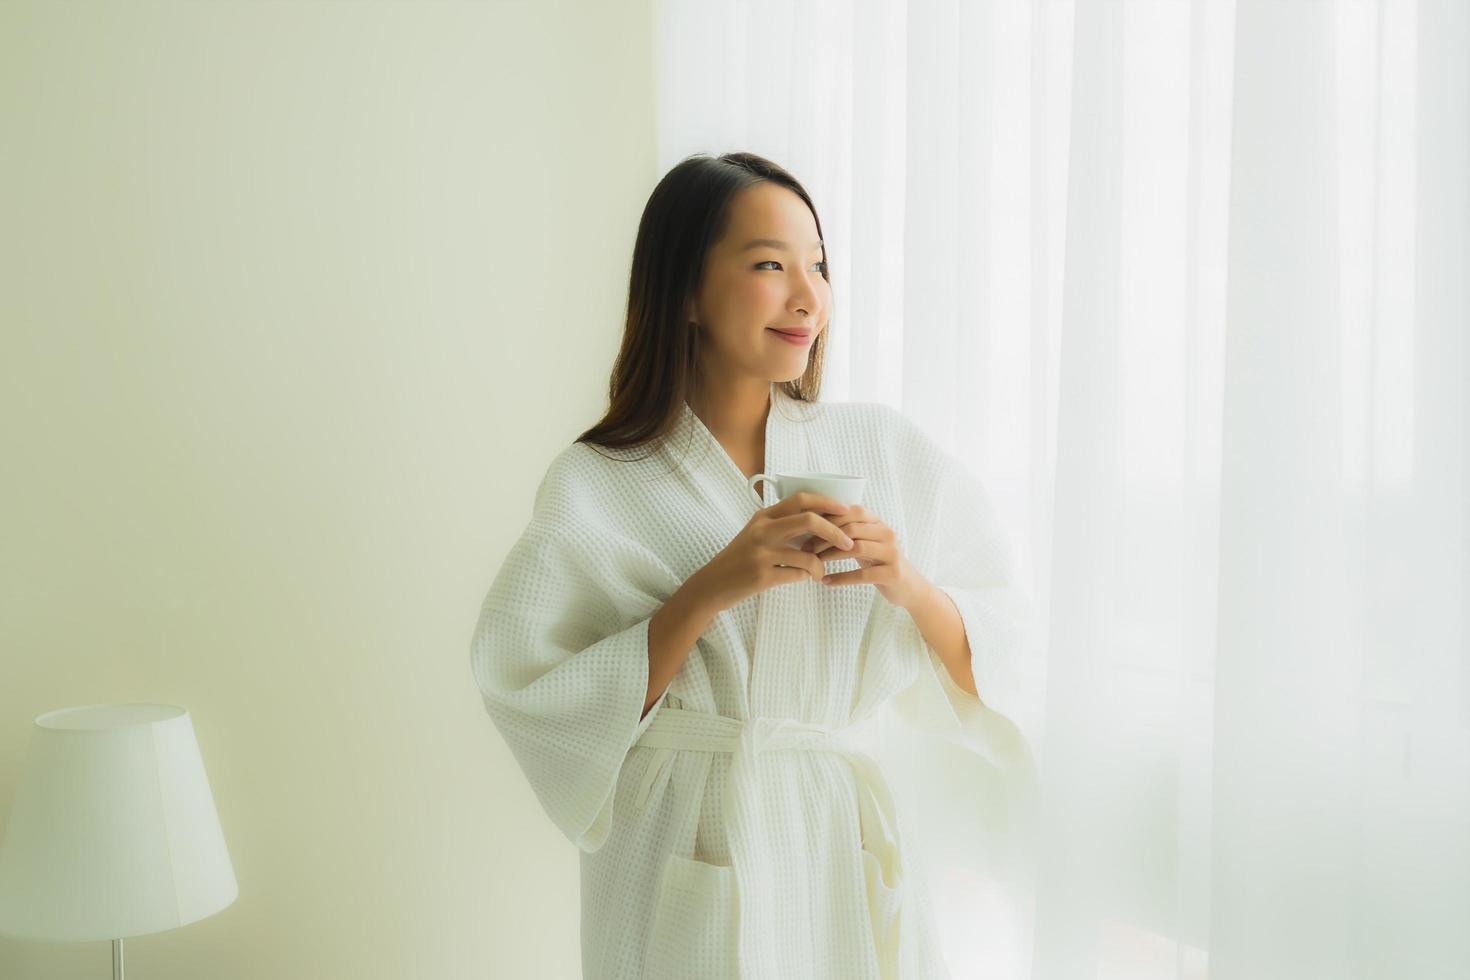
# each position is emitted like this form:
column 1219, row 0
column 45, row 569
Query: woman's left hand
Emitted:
column 875, row 548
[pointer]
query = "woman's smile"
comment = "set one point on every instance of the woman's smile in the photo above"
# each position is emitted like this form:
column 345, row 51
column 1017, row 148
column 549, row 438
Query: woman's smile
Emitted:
column 801, row 340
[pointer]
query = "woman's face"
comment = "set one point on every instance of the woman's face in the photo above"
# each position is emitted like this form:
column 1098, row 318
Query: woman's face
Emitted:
column 750, row 289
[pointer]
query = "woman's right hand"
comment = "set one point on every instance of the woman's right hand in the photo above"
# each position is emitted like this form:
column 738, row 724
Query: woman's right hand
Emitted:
column 761, row 555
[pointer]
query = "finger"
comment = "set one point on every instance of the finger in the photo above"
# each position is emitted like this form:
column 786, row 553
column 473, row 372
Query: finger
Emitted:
column 808, row 522
column 858, row 550
column 860, row 530
column 805, row 563
column 854, row 532
column 793, row 572
column 805, row 500
column 854, row 577
column 858, row 533
column 855, row 515
column 783, row 532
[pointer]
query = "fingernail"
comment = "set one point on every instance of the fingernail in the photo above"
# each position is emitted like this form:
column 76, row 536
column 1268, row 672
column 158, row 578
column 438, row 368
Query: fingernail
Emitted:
column 848, row 540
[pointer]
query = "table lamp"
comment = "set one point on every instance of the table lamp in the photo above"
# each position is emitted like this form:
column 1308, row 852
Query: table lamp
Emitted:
column 113, row 832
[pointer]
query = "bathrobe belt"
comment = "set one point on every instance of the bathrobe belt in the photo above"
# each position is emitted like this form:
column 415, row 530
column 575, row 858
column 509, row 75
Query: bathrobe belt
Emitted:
column 679, row 729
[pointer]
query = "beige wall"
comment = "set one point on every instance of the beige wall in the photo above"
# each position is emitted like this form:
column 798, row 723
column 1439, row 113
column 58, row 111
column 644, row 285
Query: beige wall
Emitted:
column 298, row 300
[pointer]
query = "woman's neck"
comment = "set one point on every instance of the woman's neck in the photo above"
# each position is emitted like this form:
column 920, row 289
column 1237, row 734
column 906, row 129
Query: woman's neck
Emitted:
column 735, row 412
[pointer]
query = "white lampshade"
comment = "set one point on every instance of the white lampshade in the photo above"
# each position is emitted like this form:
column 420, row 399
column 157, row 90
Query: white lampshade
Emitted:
column 113, row 832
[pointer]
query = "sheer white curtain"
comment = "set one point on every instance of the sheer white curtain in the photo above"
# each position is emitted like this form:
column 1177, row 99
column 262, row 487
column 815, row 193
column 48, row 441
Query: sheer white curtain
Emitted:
column 1186, row 284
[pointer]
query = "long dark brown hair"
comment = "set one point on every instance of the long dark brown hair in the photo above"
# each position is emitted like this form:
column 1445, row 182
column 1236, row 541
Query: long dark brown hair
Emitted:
column 656, row 369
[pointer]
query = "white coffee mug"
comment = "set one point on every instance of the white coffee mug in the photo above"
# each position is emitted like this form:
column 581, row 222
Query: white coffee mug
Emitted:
column 838, row 486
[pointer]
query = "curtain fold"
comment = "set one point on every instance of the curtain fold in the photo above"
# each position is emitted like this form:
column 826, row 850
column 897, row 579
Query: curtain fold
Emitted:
column 1185, row 284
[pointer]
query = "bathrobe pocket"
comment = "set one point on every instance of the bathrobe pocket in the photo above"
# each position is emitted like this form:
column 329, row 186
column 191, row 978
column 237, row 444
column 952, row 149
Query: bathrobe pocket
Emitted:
column 695, row 922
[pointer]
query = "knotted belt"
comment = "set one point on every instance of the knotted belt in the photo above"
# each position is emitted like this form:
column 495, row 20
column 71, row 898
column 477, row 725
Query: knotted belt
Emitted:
column 681, row 730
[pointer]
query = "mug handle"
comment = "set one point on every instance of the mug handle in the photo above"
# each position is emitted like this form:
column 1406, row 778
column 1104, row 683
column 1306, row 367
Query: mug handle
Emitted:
column 799, row 540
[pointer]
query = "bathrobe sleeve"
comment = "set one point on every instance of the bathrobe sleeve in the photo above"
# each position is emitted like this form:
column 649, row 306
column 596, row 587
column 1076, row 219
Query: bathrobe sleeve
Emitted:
column 560, row 653
column 957, row 543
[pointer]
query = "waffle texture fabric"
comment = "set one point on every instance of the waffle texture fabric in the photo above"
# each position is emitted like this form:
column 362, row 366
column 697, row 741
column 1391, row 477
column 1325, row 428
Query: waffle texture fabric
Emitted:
column 738, row 830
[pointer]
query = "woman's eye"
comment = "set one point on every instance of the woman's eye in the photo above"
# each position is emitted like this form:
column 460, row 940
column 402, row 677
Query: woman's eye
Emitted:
column 823, row 265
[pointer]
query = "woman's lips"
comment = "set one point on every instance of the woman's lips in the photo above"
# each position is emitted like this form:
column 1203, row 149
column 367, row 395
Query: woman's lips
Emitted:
column 800, row 340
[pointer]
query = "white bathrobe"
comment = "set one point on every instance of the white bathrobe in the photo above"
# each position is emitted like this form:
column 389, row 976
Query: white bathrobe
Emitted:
column 739, row 829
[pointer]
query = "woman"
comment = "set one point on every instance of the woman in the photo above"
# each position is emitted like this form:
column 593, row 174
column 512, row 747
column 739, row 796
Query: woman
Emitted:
column 682, row 686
